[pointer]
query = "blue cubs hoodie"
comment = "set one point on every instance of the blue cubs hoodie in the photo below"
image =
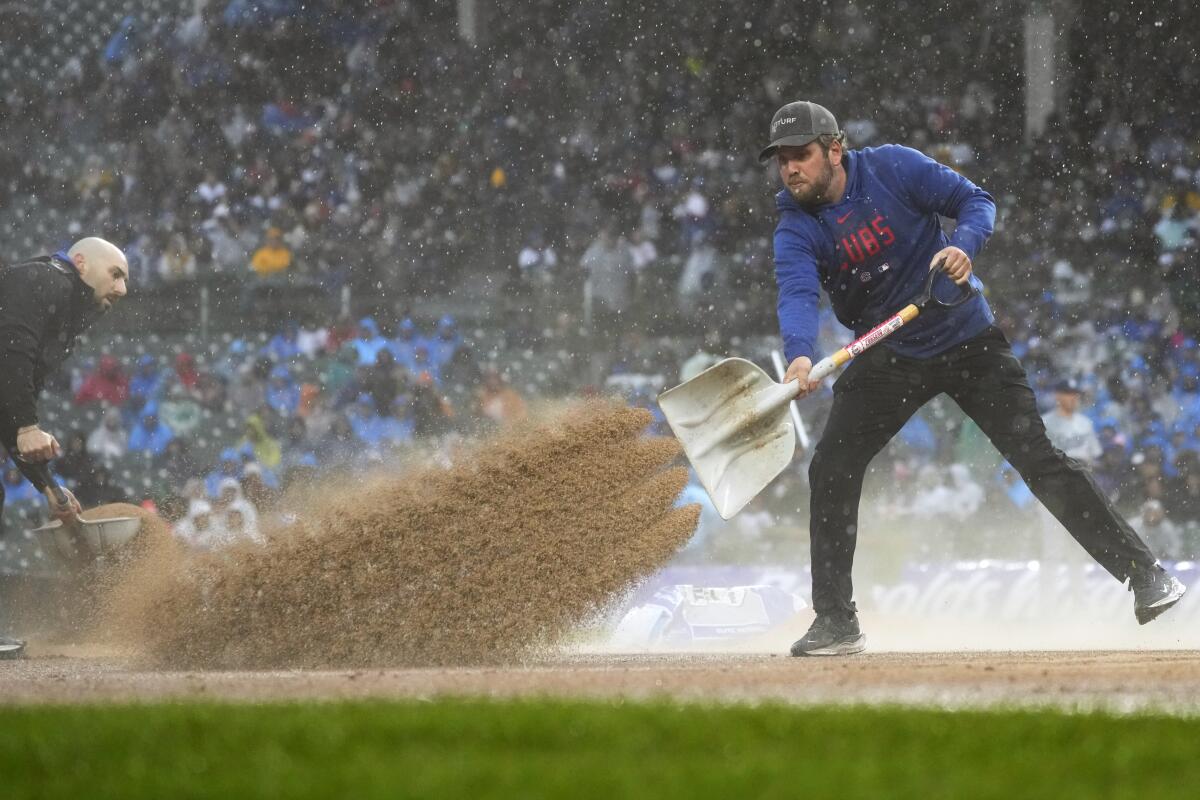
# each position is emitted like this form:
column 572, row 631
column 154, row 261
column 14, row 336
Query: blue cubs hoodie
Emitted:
column 871, row 250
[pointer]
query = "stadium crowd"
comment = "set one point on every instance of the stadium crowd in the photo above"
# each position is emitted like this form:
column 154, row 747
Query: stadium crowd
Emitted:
column 224, row 434
column 611, row 150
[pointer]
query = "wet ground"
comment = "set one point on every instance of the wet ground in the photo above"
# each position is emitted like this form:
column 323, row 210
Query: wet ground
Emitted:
column 1120, row 681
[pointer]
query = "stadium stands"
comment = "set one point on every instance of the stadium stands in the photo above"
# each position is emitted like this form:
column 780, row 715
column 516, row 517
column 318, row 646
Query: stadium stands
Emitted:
column 413, row 174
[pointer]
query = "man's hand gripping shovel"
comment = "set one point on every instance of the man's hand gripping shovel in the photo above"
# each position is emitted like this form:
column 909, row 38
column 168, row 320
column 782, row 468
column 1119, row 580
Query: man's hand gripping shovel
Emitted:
column 732, row 419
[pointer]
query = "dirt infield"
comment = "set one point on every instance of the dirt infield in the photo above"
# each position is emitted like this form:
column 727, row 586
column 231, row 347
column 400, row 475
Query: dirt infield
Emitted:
column 519, row 541
column 1120, row 681
column 467, row 580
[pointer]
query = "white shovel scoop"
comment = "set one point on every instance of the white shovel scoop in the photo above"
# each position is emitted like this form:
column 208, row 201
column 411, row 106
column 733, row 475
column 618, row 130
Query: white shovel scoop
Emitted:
column 78, row 540
column 733, row 420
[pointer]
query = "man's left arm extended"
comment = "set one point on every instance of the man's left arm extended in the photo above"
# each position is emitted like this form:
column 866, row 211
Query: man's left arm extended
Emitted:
column 799, row 294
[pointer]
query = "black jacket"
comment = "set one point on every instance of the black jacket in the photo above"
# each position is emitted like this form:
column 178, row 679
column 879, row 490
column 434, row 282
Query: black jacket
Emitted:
column 44, row 306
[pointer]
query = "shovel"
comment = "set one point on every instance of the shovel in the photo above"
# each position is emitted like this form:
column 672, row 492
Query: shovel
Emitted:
column 79, row 540
column 733, row 420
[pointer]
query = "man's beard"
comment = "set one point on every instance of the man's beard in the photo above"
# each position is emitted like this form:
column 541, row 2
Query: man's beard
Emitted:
column 811, row 195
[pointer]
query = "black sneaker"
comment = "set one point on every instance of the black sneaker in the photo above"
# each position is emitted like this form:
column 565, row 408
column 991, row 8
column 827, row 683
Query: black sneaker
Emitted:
column 832, row 635
column 11, row 648
column 1154, row 591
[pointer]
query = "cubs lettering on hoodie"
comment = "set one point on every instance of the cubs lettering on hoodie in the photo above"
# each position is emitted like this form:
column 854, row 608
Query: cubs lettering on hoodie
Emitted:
column 871, row 251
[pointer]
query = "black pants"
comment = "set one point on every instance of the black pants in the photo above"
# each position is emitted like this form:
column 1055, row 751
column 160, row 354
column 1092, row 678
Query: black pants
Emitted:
column 881, row 390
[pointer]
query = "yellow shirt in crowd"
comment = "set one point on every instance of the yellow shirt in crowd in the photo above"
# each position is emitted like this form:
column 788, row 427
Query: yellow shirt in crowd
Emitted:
column 270, row 259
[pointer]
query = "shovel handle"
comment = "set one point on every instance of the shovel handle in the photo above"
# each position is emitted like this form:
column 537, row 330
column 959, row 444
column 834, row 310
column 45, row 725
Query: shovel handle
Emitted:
column 926, row 297
column 59, row 495
column 827, row 365
column 872, row 337
column 42, row 470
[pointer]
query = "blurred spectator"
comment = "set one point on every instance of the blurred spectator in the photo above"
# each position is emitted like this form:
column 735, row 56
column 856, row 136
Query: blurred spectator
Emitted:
column 1175, row 230
column 211, row 190
column 177, row 261
column 282, row 393
column 340, row 446
column 265, row 447
column 1115, row 476
column 230, row 250
column 249, row 390
column 295, row 444
column 228, row 466
column 934, row 498
column 285, row 345
column 497, row 401
column 177, row 463
column 98, row 488
column 607, row 266
column 199, row 529
column 369, row 341
column 342, row 332
column 255, row 487
column 315, row 411
column 431, row 412
column 643, row 254
column 210, row 391
column 302, row 472
column 231, row 498
column 179, row 412
column 1150, row 480
column 422, row 363
column 312, row 340
column 538, row 261
column 147, row 380
column 109, row 440
column 16, row 488
column 186, row 373
column 238, row 527
column 1069, row 430
column 273, row 257
column 108, row 384
column 1162, row 535
column 400, row 426
column 463, row 371
column 702, row 273
column 150, row 435
column 405, row 343
column 382, row 381
column 1183, row 492
column 75, row 464
column 445, row 342
column 339, row 371
column 370, row 427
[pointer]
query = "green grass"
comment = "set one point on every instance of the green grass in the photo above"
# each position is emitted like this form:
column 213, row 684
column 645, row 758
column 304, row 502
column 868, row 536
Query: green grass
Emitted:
column 532, row 749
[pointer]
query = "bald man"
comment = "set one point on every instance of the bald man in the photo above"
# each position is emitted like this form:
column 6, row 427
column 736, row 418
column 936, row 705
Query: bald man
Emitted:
column 45, row 303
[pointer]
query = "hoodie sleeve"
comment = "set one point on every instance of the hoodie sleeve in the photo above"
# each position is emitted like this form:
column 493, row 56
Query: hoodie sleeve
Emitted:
column 799, row 292
column 26, row 298
column 937, row 188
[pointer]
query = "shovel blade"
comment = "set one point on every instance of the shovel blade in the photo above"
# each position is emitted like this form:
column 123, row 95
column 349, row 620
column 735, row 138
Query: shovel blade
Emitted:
column 733, row 423
column 87, row 540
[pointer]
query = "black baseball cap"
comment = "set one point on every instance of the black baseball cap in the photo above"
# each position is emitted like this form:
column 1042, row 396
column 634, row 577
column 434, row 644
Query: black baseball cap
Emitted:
column 1068, row 386
column 797, row 124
